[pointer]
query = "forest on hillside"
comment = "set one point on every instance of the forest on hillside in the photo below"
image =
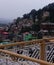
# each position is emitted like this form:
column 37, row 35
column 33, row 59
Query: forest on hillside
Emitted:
column 46, row 15
column 39, row 14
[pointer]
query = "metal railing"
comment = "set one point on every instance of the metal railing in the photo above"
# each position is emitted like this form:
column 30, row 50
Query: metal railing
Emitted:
column 40, row 50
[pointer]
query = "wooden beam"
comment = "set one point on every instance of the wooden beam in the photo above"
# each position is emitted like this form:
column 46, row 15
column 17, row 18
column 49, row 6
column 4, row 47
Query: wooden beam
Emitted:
column 21, row 43
column 42, row 51
column 37, row 41
column 26, row 57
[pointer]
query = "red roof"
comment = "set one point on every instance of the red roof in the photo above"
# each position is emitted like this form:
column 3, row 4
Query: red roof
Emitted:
column 6, row 33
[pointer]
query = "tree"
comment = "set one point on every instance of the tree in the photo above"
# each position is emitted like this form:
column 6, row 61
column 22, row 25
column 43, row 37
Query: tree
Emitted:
column 18, row 19
column 35, row 27
column 33, row 14
column 26, row 16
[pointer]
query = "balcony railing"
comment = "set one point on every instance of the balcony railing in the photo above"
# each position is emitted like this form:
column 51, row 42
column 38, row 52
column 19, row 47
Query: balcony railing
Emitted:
column 30, row 51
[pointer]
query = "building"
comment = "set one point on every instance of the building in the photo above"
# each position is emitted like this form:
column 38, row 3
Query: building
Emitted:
column 48, row 27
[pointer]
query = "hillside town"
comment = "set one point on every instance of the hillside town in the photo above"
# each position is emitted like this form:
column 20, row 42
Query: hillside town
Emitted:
column 33, row 25
column 29, row 40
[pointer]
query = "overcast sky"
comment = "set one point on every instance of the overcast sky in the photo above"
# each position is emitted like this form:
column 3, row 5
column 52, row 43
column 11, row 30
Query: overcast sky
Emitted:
column 11, row 9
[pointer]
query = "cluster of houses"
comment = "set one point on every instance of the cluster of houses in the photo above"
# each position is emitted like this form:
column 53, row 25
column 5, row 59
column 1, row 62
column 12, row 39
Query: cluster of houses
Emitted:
column 18, row 30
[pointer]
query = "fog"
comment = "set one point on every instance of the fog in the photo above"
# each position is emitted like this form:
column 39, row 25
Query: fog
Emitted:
column 11, row 9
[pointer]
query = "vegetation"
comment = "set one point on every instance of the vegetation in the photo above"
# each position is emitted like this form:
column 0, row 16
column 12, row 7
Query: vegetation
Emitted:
column 46, row 14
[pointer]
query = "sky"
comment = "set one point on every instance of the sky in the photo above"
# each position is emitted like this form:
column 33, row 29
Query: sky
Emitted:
column 11, row 9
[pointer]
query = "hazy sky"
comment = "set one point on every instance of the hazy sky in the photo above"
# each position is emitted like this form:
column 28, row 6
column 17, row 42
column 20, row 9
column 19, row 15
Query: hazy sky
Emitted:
column 11, row 9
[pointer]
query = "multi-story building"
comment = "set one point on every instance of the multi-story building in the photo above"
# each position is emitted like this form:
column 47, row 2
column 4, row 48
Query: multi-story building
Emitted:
column 48, row 27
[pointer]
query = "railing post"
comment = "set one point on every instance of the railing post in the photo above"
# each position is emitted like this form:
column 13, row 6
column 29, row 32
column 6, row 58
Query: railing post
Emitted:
column 42, row 51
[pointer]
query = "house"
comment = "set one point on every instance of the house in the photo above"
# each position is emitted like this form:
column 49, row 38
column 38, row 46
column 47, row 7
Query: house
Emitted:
column 48, row 27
